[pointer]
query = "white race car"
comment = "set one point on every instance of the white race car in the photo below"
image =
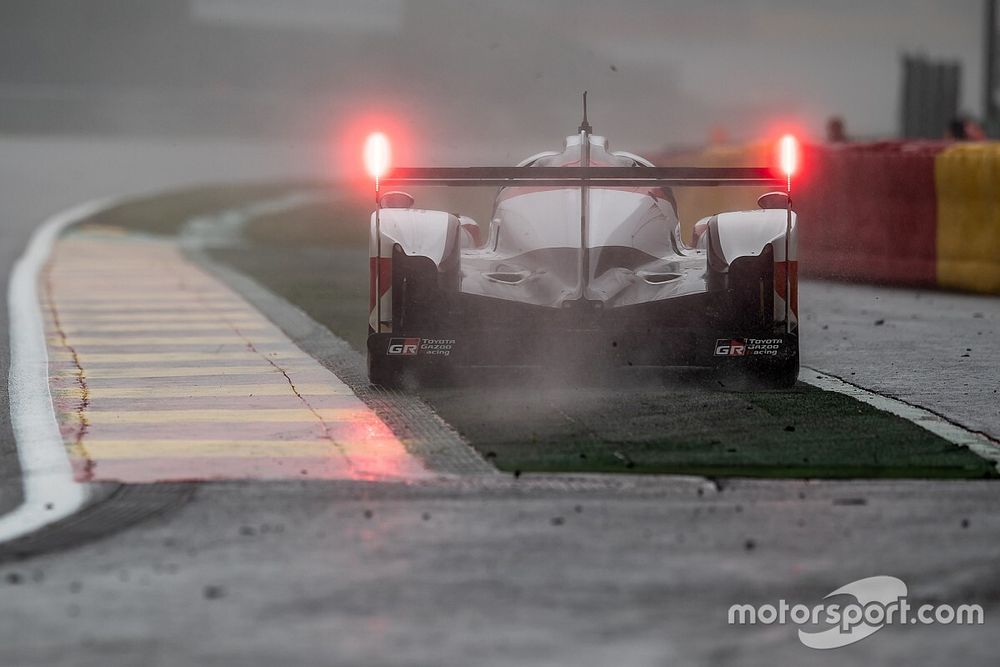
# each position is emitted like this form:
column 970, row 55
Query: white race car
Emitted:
column 583, row 264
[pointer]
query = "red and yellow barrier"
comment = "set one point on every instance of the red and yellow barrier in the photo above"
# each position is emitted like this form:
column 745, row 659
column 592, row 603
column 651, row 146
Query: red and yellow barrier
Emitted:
column 967, row 179
column 871, row 212
column 905, row 213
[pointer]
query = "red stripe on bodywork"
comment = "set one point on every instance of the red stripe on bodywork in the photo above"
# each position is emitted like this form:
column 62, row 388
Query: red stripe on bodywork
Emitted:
column 779, row 283
column 385, row 265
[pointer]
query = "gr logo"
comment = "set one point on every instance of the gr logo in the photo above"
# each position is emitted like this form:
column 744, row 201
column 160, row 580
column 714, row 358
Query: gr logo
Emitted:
column 725, row 347
column 404, row 346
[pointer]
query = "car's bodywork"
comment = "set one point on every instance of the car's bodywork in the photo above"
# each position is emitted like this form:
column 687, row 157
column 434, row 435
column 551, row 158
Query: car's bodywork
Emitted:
column 583, row 264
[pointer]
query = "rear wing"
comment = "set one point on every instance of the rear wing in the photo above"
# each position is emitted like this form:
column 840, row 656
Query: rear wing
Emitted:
column 377, row 160
column 582, row 176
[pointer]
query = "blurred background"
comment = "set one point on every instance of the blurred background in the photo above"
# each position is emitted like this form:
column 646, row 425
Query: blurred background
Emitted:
column 492, row 80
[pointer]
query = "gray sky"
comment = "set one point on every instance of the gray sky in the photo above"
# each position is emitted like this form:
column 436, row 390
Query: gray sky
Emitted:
column 472, row 80
column 685, row 65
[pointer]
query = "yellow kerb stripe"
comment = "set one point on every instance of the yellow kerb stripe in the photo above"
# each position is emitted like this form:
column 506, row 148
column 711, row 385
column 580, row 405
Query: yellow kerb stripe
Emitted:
column 221, row 391
column 168, row 372
column 139, row 357
column 84, row 297
column 186, row 316
column 95, row 417
column 164, row 449
column 206, row 325
column 232, row 339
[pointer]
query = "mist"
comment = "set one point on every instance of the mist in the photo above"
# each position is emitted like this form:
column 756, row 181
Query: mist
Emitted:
column 471, row 81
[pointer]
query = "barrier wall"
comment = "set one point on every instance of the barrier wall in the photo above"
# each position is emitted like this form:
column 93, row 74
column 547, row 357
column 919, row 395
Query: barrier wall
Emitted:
column 906, row 213
column 967, row 179
column 872, row 211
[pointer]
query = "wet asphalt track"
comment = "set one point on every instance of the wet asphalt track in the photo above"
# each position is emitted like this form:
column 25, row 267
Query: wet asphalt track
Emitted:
column 536, row 570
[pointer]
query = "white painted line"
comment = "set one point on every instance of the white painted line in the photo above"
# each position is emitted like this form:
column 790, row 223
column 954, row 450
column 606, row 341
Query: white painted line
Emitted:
column 50, row 492
column 224, row 229
column 936, row 424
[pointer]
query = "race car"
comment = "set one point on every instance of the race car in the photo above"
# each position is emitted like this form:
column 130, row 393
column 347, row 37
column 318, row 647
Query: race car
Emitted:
column 583, row 266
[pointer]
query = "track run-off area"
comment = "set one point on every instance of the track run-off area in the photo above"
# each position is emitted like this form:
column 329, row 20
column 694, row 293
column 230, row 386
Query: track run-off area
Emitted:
column 158, row 371
column 227, row 369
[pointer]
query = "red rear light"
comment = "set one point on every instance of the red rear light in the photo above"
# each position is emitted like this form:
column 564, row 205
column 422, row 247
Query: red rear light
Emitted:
column 377, row 155
column 788, row 155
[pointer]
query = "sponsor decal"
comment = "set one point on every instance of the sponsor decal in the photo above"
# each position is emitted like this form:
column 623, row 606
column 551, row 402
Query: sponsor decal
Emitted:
column 437, row 346
column 411, row 347
column 726, row 347
column 747, row 347
column 403, row 346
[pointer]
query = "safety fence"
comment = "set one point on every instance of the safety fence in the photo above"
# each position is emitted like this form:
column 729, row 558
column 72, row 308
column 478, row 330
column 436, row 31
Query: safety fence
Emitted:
column 919, row 213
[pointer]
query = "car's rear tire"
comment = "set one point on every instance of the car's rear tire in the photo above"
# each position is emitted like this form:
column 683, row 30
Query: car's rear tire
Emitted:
column 777, row 374
column 384, row 372
column 395, row 373
column 781, row 375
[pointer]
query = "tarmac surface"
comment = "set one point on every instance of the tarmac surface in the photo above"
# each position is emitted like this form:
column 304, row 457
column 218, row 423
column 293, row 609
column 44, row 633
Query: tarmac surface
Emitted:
column 636, row 571
column 939, row 350
column 493, row 569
